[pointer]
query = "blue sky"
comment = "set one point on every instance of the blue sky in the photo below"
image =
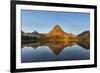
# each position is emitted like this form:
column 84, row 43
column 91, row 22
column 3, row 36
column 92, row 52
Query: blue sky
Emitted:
column 44, row 21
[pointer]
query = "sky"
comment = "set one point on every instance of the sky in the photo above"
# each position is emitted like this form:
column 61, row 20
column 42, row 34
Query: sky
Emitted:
column 44, row 21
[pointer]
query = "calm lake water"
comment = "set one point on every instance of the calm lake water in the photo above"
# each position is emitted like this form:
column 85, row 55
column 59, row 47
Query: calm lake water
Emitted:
column 42, row 53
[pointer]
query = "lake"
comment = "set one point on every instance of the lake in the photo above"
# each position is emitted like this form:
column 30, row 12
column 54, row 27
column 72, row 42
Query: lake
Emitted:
column 54, row 51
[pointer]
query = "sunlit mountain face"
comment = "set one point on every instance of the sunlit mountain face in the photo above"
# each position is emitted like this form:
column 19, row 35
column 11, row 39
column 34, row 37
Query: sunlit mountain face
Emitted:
column 56, row 45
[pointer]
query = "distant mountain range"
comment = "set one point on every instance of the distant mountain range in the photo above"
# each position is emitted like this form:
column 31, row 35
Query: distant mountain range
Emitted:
column 84, row 36
column 57, row 34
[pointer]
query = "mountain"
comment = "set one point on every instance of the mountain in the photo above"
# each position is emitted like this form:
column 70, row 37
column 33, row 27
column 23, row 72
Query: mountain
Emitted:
column 84, row 36
column 57, row 34
column 57, row 47
column 57, row 29
column 72, row 35
column 35, row 32
column 30, row 36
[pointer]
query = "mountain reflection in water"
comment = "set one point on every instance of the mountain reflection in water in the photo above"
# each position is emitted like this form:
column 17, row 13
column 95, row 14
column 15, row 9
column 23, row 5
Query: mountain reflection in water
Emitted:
column 57, row 46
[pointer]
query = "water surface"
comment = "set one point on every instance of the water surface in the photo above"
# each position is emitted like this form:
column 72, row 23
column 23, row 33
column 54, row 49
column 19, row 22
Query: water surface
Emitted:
column 37, row 52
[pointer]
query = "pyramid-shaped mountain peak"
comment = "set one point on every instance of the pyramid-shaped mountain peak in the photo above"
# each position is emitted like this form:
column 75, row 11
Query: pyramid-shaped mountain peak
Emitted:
column 57, row 28
column 58, row 33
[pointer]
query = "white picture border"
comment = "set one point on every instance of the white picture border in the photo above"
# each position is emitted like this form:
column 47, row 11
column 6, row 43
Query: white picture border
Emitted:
column 20, row 65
